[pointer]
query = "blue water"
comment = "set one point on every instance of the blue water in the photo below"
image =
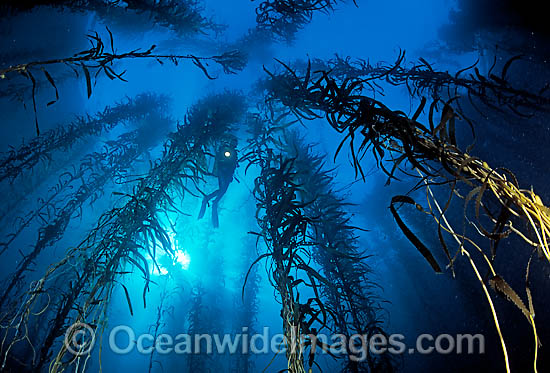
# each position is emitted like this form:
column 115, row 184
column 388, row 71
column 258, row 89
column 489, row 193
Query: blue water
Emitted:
column 414, row 300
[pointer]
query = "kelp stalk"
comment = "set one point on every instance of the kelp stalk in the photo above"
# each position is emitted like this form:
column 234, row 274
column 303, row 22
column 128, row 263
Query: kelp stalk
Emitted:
column 99, row 60
column 432, row 150
column 125, row 235
column 356, row 308
column 62, row 138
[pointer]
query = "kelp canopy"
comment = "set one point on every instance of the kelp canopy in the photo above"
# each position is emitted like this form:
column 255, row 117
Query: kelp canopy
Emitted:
column 284, row 18
column 181, row 17
column 101, row 222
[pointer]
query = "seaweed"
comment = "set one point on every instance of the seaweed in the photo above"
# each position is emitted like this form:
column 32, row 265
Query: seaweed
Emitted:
column 123, row 236
column 285, row 230
column 284, row 18
column 391, row 137
column 98, row 60
column 247, row 309
column 94, row 172
column 493, row 90
column 357, row 309
column 182, row 17
column 160, row 322
column 197, row 362
column 62, row 138
column 21, row 92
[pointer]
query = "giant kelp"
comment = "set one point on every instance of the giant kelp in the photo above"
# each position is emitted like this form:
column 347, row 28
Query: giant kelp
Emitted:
column 247, row 309
column 74, row 188
column 493, row 89
column 432, row 151
column 163, row 311
column 286, row 229
column 20, row 92
column 356, row 307
column 62, row 138
column 198, row 324
column 123, row 236
column 204, row 320
column 184, row 17
column 98, row 60
column 283, row 18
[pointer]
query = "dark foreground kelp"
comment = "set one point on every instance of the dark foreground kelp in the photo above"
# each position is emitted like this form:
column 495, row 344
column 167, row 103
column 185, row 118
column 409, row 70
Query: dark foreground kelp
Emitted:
column 101, row 58
column 284, row 18
column 183, row 17
column 309, row 247
column 431, row 149
column 494, row 90
column 304, row 234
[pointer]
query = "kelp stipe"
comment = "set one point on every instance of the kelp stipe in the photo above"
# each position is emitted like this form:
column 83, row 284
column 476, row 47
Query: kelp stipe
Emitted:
column 290, row 229
column 197, row 325
column 283, row 228
column 433, row 153
column 63, row 138
column 204, row 320
column 357, row 309
column 98, row 60
column 247, row 309
column 66, row 199
column 163, row 311
column 123, row 236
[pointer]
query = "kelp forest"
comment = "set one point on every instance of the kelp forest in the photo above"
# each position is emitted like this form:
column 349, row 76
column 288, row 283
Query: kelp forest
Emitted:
column 274, row 186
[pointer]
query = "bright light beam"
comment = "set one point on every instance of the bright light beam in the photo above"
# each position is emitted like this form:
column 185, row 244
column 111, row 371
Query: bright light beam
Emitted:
column 183, row 258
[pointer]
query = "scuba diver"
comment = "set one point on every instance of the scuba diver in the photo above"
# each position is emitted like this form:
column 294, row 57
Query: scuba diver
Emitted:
column 224, row 167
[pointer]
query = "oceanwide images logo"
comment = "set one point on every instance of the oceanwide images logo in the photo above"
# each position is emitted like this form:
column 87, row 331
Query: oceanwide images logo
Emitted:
column 80, row 340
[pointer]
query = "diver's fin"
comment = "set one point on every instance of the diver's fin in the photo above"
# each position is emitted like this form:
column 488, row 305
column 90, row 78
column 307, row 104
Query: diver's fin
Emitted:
column 203, row 208
column 215, row 221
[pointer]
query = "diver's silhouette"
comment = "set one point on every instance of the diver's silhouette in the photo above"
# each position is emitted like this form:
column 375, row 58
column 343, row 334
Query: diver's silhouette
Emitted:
column 224, row 168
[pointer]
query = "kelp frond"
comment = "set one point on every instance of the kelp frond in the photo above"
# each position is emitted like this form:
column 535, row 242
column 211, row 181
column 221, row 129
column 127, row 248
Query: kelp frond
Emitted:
column 100, row 59
column 391, row 137
column 284, row 18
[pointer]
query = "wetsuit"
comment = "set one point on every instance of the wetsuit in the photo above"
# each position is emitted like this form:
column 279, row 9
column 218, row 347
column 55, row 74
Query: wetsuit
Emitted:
column 224, row 168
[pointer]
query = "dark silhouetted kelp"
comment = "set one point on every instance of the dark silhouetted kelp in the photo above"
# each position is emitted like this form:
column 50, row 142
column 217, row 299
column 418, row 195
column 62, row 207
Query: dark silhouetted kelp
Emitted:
column 197, row 325
column 357, row 309
column 98, row 60
column 284, row 227
column 123, row 236
column 432, row 151
column 421, row 79
column 94, row 172
column 204, row 320
column 290, row 227
column 181, row 16
column 62, row 138
column 163, row 310
column 305, row 235
column 284, row 18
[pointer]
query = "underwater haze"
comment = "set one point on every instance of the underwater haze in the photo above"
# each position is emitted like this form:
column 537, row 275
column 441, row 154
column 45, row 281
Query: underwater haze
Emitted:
column 274, row 186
